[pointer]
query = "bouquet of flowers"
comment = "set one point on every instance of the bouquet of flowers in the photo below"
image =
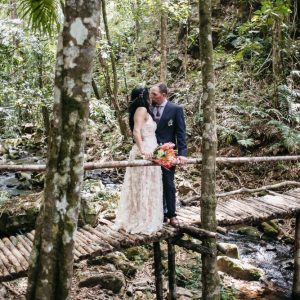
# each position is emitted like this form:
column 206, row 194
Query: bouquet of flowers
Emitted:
column 165, row 156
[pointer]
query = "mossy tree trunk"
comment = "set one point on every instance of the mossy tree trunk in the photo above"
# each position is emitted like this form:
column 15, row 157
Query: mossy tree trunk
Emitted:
column 51, row 265
column 163, row 41
column 210, row 277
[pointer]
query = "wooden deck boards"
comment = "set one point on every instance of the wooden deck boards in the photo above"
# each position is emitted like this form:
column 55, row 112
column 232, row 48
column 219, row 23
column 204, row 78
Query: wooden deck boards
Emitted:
column 103, row 239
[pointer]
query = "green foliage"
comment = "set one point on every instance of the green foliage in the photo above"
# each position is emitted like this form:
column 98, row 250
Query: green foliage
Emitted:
column 289, row 138
column 238, row 134
column 228, row 293
column 42, row 15
column 252, row 40
column 26, row 77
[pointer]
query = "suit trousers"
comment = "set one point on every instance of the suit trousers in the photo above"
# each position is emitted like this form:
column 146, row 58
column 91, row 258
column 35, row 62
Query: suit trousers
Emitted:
column 169, row 192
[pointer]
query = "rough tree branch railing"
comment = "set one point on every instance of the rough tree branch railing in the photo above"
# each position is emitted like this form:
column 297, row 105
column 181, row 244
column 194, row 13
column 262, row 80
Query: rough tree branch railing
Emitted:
column 136, row 163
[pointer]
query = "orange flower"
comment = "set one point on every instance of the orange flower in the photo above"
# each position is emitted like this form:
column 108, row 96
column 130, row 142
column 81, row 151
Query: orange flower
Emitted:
column 165, row 155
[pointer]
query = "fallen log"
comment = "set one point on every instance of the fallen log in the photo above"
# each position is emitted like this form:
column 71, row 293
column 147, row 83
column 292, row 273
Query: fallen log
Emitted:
column 260, row 189
column 192, row 246
column 136, row 163
column 195, row 232
column 196, row 198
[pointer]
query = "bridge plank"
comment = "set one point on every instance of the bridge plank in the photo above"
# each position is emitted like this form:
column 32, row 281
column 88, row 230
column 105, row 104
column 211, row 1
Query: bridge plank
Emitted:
column 15, row 250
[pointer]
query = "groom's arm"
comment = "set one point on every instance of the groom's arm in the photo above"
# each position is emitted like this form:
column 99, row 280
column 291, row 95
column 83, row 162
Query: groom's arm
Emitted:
column 181, row 132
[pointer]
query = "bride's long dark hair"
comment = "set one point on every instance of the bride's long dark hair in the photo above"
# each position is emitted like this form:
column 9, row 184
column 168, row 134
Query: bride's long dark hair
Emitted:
column 139, row 98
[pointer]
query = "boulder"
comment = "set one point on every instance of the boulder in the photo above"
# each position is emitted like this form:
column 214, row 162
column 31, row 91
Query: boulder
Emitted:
column 184, row 275
column 270, row 229
column 137, row 254
column 230, row 249
column 19, row 213
column 119, row 260
column 113, row 281
column 249, row 231
column 184, row 294
column 239, row 270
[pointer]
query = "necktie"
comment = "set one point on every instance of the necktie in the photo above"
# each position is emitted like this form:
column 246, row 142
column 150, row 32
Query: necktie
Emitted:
column 158, row 113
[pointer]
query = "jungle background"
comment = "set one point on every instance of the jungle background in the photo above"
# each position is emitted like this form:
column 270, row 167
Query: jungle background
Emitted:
column 257, row 73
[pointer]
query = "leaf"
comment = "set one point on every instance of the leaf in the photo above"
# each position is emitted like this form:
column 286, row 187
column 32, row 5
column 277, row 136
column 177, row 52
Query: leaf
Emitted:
column 246, row 142
column 42, row 15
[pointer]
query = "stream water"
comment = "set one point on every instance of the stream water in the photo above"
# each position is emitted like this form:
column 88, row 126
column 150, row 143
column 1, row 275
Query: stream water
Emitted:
column 274, row 257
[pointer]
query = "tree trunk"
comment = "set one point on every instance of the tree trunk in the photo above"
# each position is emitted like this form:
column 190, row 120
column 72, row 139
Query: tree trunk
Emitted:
column 210, row 277
column 95, row 89
column 243, row 10
column 276, row 59
column 51, row 265
column 163, row 41
column 296, row 280
column 113, row 93
column 14, row 14
column 137, row 18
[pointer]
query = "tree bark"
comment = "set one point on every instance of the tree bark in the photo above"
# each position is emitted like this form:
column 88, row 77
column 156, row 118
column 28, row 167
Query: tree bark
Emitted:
column 243, row 10
column 163, row 41
column 95, row 89
column 296, row 281
column 51, row 265
column 113, row 92
column 137, row 19
column 210, row 277
column 158, row 271
column 276, row 58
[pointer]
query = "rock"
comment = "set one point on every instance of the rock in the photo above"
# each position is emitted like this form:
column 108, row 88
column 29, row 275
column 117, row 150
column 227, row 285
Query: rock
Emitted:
column 22, row 176
column 238, row 269
column 184, row 294
column 88, row 213
column 231, row 250
column 270, row 229
column 250, row 231
column 113, row 281
column 184, row 188
column 19, row 213
column 119, row 260
column 183, row 275
column 137, row 254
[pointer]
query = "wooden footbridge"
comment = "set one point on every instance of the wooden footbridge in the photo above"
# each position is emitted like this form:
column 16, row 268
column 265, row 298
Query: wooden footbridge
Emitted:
column 103, row 239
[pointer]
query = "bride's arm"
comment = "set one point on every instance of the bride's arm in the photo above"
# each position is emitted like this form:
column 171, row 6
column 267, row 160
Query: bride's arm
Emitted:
column 140, row 118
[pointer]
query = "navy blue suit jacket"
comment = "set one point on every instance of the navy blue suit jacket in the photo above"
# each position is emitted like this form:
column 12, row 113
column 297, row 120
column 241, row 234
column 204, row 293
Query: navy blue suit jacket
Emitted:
column 171, row 128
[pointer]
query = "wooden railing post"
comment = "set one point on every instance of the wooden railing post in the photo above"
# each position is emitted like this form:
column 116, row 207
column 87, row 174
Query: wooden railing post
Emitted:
column 172, row 271
column 158, row 271
column 296, row 281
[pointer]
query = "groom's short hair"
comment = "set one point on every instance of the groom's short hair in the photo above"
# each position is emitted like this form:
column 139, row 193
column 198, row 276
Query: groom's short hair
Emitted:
column 162, row 88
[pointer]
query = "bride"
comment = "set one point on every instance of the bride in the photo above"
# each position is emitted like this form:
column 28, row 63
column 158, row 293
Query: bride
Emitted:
column 140, row 209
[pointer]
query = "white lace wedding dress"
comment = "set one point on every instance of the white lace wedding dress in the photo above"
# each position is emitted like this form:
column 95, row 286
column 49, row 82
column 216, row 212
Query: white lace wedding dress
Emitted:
column 140, row 209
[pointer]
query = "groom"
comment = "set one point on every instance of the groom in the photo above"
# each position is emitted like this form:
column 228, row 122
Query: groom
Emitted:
column 170, row 128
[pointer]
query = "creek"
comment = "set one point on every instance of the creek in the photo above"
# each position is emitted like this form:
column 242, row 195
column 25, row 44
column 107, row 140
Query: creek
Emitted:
column 274, row 257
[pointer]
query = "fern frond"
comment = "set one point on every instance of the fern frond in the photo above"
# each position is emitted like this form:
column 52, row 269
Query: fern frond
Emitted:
column 246, row 142
column 41, row 14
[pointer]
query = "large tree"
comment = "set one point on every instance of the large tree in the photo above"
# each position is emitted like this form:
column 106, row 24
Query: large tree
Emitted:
column 51, row 264
column 163, row 40
column 210, row 277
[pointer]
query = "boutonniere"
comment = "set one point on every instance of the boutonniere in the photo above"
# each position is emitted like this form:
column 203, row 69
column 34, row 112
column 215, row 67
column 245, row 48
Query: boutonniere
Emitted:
column 170, row 123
